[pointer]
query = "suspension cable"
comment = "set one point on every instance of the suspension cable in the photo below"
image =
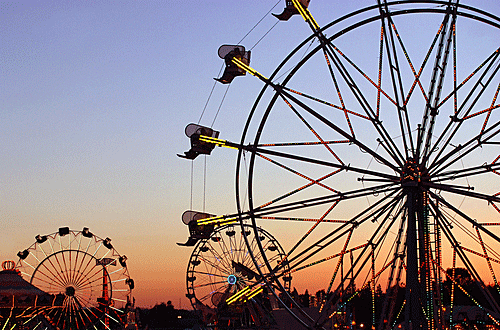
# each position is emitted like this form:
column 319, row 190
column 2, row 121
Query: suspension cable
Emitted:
column 221, row 103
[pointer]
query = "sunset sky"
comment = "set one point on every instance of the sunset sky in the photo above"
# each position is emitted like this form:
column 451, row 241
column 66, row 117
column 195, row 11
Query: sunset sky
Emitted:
column 94, row 99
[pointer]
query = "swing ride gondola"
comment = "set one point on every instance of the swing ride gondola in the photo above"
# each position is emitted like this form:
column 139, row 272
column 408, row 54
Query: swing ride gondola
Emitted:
column 383, row 136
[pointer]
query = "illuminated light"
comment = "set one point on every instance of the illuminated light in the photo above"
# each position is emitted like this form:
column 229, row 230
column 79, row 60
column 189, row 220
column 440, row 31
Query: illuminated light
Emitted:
column 248, row 69
column 216, row 141
column 303, row 219
column 236, row 296
column 6, row 323
column 255, row 292
column 306, row 15
column 220, row 220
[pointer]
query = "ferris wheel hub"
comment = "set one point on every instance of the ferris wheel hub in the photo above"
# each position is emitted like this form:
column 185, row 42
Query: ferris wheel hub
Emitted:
column 70, row 291
column 412, row 173
column 232, row 279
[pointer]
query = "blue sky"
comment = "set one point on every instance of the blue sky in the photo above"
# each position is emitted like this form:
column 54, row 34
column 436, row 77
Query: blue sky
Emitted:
column 94, row 98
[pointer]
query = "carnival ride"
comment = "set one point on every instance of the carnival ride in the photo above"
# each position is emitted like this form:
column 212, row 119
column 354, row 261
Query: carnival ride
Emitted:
column 382, row 129
column 87, row 275
column 223, row 284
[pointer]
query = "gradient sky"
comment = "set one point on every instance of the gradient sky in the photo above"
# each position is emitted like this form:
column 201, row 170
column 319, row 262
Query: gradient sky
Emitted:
column 94, row 98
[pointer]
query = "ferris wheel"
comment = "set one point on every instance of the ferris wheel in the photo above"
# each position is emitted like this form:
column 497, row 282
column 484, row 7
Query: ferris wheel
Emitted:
column 375, row 144
column 223, row 283
column 85, row 274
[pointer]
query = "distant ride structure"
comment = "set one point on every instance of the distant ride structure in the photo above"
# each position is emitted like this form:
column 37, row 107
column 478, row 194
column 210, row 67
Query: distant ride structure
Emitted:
column 380, row 131
column 87, row 275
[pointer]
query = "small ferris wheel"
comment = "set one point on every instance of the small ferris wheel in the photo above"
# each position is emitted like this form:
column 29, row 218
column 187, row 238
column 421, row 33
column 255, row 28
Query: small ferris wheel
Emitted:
column 85, row 273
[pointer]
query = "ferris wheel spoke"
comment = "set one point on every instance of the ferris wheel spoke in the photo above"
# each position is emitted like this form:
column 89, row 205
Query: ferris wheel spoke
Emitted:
column 464, row 191
column 220, row 257
column 63, row 269
column 489, row 62
column 445, row 226
column 418, row 74
column 224, row 251
column 74, row 272
column 47, row 282
column 269, row 212
column 488, row 260
column 55, row 274
column 336, row 128
column 82, row 299
column 369, row 213
column 474, row 91
column 464, row 216
column 337, row 89
column 332, row 105
column 242, row 248
column 290, row 193
column 321, row 200
column 334, row 275
column 207, row 273
column 332, row 51
column 246, row 258
column 313, row 131
column 66, row 269
column 215, row 265
column 287, row 168
column 93, row 275
column 492, row 107
column 209, row 284
column 467, row 172
column 379, row 235
column 397, row 84
column 340, row 304
column 312, row 228
column 306, row 160
column 209, row 295
column 437, row 80
column 85, row 271
column 373, row 115
column 266, row 248
column 459, row 152
column 264, row 151
column 322, row 260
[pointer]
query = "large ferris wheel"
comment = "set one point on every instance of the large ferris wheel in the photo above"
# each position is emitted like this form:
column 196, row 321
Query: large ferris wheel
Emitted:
column 377, row 149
